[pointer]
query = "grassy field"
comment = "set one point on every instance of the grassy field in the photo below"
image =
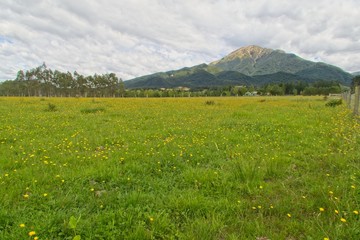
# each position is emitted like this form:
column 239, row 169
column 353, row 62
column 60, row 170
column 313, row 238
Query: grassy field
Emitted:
column 178, row 168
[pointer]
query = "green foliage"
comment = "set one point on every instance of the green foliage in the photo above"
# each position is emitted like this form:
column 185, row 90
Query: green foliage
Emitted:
column 42, row 81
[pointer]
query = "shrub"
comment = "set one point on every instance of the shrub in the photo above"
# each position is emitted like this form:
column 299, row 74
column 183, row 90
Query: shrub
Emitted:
column 334, row 103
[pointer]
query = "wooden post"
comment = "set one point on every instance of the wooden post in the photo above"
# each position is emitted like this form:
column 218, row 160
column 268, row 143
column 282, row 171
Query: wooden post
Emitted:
column 349, row 99
column 357, row 96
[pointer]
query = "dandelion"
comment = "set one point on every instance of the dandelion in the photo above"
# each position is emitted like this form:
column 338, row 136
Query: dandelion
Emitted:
column 336, row 211
column 289, row 215
column 32, row 233
column 26, row 195
column 326, row 238
column 22, row 225
column 45, row 194
column 331, row 192
column 92, row 189
column 343, row 220
column 151, row 219
column 353, row 187
column 356, row 212
column 36, row 238
column 261, row 187
column 321, row 209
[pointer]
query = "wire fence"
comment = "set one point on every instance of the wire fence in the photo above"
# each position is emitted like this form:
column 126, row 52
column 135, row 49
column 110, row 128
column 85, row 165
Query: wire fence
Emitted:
column 352, row 100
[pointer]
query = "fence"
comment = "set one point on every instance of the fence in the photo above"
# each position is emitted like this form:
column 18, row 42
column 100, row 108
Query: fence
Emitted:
column 352, row 100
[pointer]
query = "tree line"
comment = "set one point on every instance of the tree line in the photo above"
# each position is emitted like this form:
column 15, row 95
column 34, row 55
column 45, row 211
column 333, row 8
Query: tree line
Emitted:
column 273, row 89
column 42, row 81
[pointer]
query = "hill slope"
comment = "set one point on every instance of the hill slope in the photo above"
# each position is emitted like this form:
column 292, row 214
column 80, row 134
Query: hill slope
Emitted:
column 248, row 65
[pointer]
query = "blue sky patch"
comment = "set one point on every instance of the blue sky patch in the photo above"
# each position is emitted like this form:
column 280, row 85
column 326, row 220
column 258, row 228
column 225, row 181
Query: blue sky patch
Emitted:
column 4, row 39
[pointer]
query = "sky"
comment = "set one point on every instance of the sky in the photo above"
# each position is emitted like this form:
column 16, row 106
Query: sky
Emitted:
column 137, row 37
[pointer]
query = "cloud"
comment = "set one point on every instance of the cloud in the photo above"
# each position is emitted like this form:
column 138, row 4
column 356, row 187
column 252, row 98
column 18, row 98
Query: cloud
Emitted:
column 137, row 37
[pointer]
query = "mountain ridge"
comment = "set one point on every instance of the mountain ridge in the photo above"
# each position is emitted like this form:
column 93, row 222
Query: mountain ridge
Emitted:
column 247, row 65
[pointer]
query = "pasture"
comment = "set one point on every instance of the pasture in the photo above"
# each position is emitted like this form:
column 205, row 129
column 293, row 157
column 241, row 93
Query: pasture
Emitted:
column 178, row 168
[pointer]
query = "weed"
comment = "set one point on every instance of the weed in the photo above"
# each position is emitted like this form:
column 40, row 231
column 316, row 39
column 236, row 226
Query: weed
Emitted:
column 51, row 108
column 334, row 103
column 209, row 102
column 93, row 110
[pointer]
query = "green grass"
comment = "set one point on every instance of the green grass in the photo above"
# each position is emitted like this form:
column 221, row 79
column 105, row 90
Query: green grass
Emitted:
column 178, row 169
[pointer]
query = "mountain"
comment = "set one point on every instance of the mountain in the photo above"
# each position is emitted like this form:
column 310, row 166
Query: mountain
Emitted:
column 356, row 73
column 252, row 65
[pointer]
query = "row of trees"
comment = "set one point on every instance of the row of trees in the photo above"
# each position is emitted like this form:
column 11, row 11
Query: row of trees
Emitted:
column 274, row 89
column 42, row 81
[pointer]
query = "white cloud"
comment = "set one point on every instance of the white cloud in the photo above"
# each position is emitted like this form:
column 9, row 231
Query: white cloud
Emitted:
column 137, row 37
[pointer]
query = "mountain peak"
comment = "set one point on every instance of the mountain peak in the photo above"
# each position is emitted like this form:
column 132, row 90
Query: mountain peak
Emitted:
column 252, row 52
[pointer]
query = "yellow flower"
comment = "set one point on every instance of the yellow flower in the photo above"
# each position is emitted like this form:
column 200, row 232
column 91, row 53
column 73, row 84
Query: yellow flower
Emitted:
column 356, row 212
column 36, row 238
column 336, row 211
column 22, row 225
column 343, row 220
column 353, row 187
column 45, row 194
column 151, row 219
column 289, row 215
column 32, row 233
column 26, row 195
column 321, row 209
column 326, row 238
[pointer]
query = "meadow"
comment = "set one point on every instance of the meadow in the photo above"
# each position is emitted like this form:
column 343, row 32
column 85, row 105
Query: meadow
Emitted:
column 178, row 168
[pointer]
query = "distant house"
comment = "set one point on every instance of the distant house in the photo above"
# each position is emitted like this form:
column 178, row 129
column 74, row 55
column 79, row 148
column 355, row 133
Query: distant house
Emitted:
column 254, row 93
column 183, row 89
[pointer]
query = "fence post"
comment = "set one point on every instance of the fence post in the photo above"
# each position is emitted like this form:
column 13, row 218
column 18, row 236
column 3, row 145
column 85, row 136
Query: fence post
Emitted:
column 348, row 99
column 357, row 96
